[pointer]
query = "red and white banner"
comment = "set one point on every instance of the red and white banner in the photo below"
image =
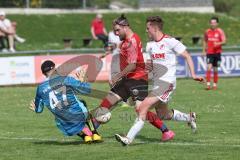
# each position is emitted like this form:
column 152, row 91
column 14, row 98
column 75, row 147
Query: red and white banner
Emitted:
column 69, row 64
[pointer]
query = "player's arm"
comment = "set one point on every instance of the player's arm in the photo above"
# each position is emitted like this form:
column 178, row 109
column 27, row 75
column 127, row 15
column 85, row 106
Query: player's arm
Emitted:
column 132, row 63
column 37, row 104
column 189, row 61
column 223, row 38
column 80, row 87
column 204, row 48
column 181, row 49
column 204, row 44
column 149, row 62
column 130, row 67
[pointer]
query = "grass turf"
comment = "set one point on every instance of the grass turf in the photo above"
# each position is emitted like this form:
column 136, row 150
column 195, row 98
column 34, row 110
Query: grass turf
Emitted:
column 25, row 135
column 48, row 31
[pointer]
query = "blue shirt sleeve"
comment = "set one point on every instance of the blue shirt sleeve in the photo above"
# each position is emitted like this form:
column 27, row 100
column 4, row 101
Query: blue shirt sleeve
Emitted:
column 80, row 87
column 38, row 102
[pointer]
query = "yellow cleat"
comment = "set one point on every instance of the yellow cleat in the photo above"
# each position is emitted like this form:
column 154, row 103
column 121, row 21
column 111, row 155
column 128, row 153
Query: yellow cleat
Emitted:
column 88, row 139
column 96, row 138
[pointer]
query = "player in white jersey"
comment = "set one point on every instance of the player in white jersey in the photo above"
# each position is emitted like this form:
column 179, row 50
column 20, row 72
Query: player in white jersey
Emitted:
column 163, row 52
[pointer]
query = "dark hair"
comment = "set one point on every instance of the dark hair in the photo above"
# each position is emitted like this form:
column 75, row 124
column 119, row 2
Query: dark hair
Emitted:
column 122, row 21
column 155, row 20
column 215, row 18
column 47, row 66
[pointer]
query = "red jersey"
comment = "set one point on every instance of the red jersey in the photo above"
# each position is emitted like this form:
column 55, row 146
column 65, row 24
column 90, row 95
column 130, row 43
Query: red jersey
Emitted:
column 98, row 26
column 131, row 52
column 211, row 36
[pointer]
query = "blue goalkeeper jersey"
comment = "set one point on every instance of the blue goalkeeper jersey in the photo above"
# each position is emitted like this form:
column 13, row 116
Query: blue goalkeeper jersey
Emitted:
column 58, row 94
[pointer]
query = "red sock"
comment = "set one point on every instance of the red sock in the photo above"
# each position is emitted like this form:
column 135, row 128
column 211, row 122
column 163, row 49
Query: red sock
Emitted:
column 156, row 121
column 208, row 75
column 106, row 104
column 215, row 77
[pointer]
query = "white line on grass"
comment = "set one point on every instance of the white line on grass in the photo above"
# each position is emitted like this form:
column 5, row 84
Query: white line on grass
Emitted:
column 107, row 140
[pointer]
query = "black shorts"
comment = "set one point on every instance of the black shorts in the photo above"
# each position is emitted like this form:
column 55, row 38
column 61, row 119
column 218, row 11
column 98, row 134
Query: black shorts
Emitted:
column 137, row 89
column 214, row 59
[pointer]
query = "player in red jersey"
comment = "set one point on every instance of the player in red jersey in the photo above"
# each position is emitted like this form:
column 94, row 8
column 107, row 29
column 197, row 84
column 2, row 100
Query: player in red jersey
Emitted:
column 132, row 80
column 214, row 38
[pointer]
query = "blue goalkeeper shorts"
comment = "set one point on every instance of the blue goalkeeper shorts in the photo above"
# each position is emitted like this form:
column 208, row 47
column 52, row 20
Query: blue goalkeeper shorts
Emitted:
column 72, row 120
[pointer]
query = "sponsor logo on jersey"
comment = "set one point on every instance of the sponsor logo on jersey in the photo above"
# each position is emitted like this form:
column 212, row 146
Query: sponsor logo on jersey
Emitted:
column 162, row 47
column 158, row 56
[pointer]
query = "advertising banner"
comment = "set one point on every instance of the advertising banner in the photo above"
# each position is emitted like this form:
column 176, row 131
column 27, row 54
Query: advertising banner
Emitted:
column 17, row 70
column 27, row 69
column 229, row 67
column 98, row 69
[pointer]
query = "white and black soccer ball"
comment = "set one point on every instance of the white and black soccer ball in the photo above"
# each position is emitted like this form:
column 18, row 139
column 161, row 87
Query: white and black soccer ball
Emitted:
column 102, row 115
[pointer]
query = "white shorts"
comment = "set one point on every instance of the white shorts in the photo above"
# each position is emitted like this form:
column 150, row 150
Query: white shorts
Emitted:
column 163, row 90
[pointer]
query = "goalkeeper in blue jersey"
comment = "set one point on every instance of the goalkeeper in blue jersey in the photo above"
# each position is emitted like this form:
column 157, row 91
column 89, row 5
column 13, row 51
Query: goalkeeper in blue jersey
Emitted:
column 57, row 93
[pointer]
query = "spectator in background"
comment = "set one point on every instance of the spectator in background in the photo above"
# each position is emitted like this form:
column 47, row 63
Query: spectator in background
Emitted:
column 214, row 38
column 98, row 30
column 113, row 47
column 8, row 31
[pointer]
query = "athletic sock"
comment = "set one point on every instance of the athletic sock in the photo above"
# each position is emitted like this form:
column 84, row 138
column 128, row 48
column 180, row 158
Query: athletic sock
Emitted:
column 180, row 116
column 87, row 131
column 106, row 104
column 156, row 121
column 208, row 76
column 215, row 77
column 136, row 128
column 96, row 123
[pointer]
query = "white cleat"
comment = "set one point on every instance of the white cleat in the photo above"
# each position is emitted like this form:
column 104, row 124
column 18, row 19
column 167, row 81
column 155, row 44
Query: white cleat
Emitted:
column 122, row 139
column 192, row 123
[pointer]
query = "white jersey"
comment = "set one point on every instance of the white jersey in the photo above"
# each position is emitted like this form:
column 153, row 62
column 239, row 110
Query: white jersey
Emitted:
column 163, row 55
column 115, row 64
column 112, row 38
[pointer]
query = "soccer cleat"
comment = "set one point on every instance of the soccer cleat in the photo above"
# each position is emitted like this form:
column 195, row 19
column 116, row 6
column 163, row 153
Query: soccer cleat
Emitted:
column 166, row 136
column 208, row 88
column 192, row 123
column 124, row 105
column 122, row 139
column 96, row 138
column 88, row 139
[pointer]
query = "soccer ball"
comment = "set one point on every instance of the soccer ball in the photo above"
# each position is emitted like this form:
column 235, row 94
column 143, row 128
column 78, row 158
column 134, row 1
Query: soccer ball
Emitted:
column 102, row 115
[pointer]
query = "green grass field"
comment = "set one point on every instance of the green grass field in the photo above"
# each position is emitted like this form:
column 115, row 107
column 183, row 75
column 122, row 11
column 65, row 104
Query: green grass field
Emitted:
column 25, row 135
column 47, row 31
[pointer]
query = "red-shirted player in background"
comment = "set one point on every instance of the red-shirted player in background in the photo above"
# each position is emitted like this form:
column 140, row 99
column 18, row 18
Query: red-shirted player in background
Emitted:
column 214, row 38
column 132, row 80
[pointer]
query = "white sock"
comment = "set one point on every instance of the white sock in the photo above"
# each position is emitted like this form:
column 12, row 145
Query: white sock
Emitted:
column 136, row 128
column 180, row 116
column 208, row 84
column 214, row 84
